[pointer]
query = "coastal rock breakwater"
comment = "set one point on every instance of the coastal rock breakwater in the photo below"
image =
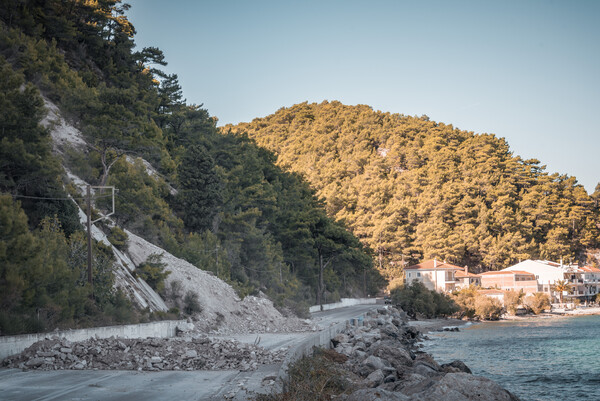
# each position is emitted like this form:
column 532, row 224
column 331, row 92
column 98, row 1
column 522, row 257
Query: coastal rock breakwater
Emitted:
column 151, row 354
column 383, row 354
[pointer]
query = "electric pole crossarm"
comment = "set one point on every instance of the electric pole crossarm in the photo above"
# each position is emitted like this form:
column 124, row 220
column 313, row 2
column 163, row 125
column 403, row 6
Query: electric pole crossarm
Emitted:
column 90, row 222
column 113, row 203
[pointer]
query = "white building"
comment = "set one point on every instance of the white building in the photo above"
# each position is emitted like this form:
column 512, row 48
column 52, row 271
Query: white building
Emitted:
column 584, row 281
column 546, row 273
column 438, row 276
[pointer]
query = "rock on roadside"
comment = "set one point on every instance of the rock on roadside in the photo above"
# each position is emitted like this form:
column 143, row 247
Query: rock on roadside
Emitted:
column 149, row 354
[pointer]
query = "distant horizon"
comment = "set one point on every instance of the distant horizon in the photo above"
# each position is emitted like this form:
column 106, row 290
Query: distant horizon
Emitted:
column 523, row 71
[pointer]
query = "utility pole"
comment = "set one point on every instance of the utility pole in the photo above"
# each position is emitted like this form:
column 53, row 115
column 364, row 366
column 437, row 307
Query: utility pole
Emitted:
column 89, row 234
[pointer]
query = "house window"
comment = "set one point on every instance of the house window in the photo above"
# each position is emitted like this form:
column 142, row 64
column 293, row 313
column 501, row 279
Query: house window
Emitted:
column 418, row 274
column 409, row 275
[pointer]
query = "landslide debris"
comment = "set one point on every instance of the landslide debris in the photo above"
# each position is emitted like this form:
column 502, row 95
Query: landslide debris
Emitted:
column 149, row 354
column 223, row 312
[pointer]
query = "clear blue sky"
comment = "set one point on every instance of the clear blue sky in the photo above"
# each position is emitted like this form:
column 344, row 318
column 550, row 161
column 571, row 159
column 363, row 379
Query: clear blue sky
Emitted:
column 525, row 70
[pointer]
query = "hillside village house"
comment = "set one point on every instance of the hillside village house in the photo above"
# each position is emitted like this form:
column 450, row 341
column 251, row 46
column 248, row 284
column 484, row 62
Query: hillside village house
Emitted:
column 435, row 275
column 465, row 279
column 591, row 280
column 510, row 280
column 584, row 281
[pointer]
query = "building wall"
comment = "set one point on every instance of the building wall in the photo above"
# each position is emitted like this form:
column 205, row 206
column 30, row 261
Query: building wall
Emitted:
column 544, row 273
column 502, row 281
column 528, row 286
column 508, row 282
column 432, row 280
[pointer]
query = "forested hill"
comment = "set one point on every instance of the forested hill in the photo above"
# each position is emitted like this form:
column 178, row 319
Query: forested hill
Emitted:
column 413, row 188
column 218, row 201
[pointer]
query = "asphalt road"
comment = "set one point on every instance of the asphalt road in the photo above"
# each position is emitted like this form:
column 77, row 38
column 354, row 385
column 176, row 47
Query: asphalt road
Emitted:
column 166, row 385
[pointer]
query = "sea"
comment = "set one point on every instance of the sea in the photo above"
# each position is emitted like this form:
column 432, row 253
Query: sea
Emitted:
column 536, row 359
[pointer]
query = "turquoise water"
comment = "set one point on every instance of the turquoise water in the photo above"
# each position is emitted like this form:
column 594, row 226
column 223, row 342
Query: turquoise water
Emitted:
column 536, row 359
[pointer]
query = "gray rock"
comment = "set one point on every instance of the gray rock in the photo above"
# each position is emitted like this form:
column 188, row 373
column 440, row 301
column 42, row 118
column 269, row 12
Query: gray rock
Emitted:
column 397, row 356
column 34, row 362
column 390, row 378
column 376, row 394
column 455, row 367
column 340, row 338
column 191, row 353
column 375, row 362
column 463, row 387
column 409, row 380
column 375, row 378
column 358, row 354
column 424, row 369
column 185, row 327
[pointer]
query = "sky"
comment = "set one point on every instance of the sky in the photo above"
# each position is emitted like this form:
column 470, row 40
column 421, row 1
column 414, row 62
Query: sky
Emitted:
column 525, row 70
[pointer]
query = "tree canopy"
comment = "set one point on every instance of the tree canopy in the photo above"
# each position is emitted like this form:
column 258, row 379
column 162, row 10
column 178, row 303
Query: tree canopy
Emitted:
column 412, row 189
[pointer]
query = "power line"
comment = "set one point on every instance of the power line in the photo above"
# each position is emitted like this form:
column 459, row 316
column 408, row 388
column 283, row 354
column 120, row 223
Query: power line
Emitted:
column 48, row 198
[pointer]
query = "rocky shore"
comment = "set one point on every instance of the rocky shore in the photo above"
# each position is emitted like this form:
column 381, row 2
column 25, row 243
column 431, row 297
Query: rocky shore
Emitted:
column 384, row 357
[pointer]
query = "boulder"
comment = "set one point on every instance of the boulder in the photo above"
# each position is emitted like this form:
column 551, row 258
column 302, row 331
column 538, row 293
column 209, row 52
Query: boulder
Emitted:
column 455, row 367
column 463, row 387
column 191, row 353
column 185, row 327
column 35, row 362
column 424, row 369
column 375, row 362
column 376, row 394
column 375, row 378
column 340, row 338
column 396, row 355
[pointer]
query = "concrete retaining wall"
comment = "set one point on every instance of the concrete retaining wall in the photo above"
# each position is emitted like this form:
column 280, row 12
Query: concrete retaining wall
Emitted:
column 12, row 345
column 343, row 303
column 320, row 339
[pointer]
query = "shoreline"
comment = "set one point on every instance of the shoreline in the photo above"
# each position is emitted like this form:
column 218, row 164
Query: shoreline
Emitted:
column 438, row 324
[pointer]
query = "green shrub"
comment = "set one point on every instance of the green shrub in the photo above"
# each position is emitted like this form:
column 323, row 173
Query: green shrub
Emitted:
column 512, row 300
column 487, row 308
column 417, row 299
column 538, row 302
column 191, row 305
column 152, row 271
column 118, row 238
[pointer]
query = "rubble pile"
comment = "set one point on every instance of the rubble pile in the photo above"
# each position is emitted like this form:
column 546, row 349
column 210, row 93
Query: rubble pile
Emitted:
column 253, row 314
column 384, row 355
column 151, row 354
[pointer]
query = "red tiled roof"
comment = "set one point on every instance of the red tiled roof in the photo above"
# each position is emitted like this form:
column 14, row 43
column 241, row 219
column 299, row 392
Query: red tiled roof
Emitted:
column 590, row 269
column 523, row 273
column 520, row 272
column 428, row 265
column 463, row 274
